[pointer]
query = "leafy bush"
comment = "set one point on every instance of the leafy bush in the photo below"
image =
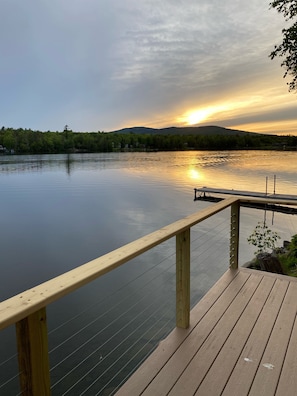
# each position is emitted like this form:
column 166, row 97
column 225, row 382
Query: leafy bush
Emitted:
column 289, row 264
column 289, row 258
column 293, row 246
column 263, row 238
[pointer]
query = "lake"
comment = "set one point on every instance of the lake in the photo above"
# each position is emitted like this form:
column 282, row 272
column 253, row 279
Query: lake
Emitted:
column 60, row 211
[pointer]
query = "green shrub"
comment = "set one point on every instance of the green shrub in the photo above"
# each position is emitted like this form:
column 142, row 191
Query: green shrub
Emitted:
column 288, row 259
column 293, row 246
column 263, row 238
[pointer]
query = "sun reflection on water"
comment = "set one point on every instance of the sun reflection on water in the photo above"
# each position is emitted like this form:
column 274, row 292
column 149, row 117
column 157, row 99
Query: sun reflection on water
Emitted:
column 194, row 174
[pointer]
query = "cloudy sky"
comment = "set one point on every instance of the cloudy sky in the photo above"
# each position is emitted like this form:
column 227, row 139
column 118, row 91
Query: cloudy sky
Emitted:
column 101, row 65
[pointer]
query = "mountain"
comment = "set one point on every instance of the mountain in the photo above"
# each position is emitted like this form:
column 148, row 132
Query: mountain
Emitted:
column 196, row 130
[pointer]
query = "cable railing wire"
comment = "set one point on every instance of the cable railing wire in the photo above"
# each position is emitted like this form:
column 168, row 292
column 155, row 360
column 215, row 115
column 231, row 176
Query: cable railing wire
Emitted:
column 93, row 321
column 165, row 326
column 107, row 297
column 148, row 270
column 124, row 313
column 134, row 280
column 173, row 265
column 123, row 287
column 109, row 325
column 110, row 310
column 9, row 380
column 8, row 360
column 131, row 346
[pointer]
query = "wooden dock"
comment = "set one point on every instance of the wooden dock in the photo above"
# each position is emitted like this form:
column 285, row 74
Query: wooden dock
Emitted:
column 243, row 193
column 242, row 340
column 263, row 201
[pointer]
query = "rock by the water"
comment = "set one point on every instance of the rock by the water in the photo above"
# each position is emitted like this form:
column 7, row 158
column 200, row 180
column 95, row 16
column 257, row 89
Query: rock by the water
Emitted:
column 269, row 262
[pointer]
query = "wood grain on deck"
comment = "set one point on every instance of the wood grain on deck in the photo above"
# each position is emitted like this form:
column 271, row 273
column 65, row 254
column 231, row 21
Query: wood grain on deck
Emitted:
column 242, row 340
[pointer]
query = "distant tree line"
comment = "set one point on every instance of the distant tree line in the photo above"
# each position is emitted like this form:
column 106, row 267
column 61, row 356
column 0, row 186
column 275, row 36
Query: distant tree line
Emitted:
column 27, row 141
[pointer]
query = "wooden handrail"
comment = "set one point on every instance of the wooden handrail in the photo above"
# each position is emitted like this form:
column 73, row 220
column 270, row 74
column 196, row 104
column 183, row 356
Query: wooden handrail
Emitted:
column 24, row 304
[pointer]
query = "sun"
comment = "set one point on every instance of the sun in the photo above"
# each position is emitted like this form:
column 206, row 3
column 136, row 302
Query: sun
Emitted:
column 196, row 116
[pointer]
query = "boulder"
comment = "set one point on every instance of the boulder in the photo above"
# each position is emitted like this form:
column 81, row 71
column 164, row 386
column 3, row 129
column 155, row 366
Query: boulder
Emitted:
column 270, row 263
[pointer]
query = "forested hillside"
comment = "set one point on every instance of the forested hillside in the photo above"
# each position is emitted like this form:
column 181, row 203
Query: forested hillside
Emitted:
column 24, row 141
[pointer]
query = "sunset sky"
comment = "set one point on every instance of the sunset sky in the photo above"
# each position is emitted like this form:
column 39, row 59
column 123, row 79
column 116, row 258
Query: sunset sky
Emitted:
column 110, row 64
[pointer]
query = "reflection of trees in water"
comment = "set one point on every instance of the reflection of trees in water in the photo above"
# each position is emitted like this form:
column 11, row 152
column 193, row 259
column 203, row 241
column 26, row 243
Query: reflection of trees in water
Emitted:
column 36, row 163
column 68, row 161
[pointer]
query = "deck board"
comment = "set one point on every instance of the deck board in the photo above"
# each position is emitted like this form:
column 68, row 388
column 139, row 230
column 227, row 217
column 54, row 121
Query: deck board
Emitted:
column 183, row 356
column 248, row 361
column 226, row 360
column 242, row 340
column 288, row 378
column 191, row 378
column 266, row 378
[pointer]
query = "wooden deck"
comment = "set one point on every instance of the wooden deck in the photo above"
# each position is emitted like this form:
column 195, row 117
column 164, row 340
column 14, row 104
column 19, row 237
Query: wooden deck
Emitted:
column 242, row 341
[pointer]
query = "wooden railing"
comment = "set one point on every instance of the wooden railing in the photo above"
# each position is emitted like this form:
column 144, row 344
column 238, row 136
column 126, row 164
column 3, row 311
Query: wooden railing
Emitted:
column 27, row 310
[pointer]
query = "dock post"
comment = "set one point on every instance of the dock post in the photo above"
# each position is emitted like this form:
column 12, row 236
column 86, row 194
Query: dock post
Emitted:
column 183, row 279
column 234, row 234
column 32, row 342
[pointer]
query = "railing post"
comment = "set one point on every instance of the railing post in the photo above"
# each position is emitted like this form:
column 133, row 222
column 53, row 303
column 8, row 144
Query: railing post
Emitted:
column 183, row 279
column 234, row 235
column 33, row 357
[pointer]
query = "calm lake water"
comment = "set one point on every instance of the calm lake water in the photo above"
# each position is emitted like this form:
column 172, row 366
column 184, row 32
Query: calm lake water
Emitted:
column 60, row 211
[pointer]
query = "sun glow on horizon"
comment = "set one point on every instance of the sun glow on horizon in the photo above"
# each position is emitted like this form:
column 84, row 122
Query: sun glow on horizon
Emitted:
column 282, row 127
column 226, row 110
column 250, row 111
column 197, row 116
column 193, row 117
